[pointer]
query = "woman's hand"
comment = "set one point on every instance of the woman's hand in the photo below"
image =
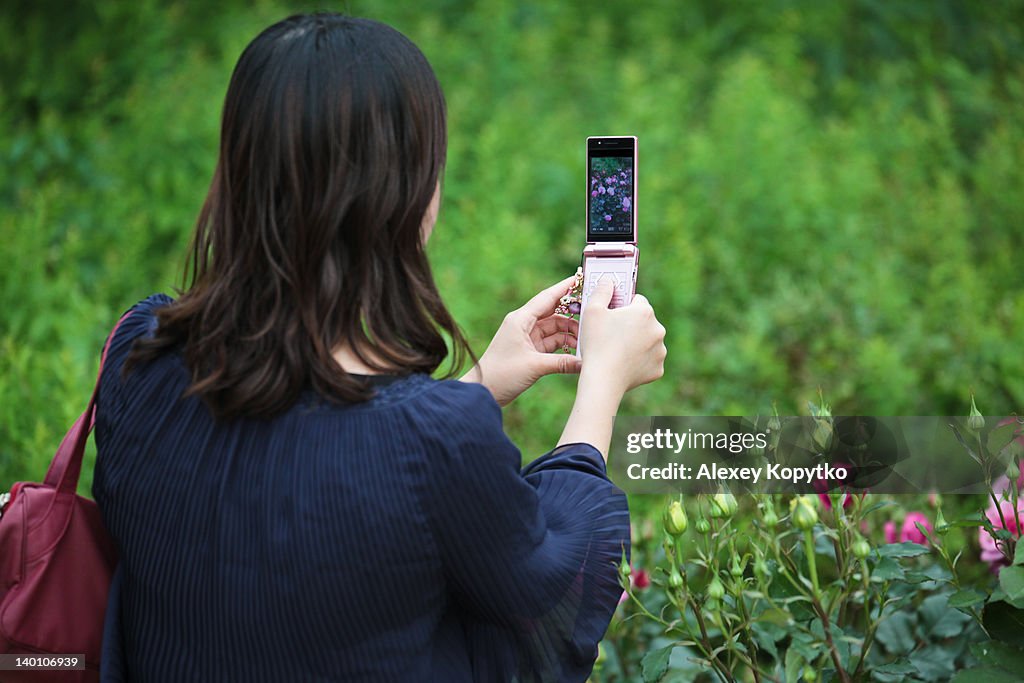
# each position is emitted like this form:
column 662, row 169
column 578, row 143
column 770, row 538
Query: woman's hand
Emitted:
column 625, row 346
column 523, row 348
column 622, row 348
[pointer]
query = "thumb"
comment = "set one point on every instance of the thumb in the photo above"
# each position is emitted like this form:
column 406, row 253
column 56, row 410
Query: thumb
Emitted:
column 602, row 294
column 558, row 364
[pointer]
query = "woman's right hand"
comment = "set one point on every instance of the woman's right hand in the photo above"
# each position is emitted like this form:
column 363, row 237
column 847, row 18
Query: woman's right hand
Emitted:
column 624, row 346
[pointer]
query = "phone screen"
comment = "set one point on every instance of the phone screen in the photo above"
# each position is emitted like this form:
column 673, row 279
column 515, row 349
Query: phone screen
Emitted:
column 611, row 189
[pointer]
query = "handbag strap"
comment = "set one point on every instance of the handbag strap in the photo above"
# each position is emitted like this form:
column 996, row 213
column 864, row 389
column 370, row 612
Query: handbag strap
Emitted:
column 67, row 463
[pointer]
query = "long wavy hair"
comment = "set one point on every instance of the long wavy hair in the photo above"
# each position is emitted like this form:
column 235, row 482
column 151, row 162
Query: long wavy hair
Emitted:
column 333, row 141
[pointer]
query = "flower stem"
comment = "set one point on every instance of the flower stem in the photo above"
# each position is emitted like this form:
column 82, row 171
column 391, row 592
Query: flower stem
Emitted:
column 812, row 563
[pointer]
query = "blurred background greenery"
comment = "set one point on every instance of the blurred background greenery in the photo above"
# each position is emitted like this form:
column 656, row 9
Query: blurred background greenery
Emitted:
column 831, row 194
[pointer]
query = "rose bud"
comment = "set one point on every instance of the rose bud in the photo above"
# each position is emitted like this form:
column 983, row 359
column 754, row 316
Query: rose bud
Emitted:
column 675, row 579
column 675, row 519
column 624, row 570
column 803, row 513
column 736, row 570
column 723, row 505
column 761, row 567
column 716, row 591
column 976, row 420
column 861, row 548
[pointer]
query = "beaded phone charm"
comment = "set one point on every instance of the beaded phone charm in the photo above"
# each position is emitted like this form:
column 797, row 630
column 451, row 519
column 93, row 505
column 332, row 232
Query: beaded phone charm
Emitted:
column 569, row 304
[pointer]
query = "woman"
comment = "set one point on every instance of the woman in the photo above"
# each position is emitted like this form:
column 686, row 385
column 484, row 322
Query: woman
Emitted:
column 293, row 496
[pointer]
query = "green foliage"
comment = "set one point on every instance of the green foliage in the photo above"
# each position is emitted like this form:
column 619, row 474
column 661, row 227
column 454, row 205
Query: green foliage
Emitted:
column 831, row 193
column 788, row 600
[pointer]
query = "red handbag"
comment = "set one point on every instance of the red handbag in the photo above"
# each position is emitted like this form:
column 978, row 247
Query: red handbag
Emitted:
column 56, row 563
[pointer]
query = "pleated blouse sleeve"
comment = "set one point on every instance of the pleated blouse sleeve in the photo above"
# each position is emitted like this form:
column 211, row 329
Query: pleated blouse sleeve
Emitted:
column 531, row 554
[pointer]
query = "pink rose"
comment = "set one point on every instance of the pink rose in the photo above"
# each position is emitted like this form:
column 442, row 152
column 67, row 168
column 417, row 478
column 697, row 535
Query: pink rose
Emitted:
column 908, row 533
column 911, row 533
column 594, row 193
column 989, row 549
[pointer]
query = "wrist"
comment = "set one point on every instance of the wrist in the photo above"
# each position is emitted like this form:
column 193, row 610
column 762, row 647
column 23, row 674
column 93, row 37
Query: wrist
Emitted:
column 598, row 396
column 473, row 376
column 595, row 379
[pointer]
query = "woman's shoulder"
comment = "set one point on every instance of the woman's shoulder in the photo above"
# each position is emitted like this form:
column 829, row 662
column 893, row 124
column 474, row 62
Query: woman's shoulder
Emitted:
column 456, row 401
column 459, row 422
column 138, row 320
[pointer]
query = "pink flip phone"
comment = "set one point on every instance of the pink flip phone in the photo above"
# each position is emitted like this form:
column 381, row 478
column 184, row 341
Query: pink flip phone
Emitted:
column 611, row 250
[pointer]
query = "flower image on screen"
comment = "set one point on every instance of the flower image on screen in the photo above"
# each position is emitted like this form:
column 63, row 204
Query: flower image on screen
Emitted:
column 611, row 195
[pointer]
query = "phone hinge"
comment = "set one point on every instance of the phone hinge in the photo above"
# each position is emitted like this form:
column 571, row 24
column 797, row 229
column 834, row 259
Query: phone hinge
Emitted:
column 609, row 249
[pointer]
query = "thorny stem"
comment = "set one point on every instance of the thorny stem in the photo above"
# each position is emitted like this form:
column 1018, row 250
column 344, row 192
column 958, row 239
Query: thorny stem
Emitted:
column 812, row 563
column 704, row 644
column 843, row 676
column 869, row 636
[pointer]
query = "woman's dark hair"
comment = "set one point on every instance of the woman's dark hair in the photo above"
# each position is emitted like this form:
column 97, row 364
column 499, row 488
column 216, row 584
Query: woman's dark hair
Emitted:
column 332, row 144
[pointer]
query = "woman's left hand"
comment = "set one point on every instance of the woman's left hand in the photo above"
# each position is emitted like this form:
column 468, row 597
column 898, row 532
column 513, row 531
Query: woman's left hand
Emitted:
column 523, row 348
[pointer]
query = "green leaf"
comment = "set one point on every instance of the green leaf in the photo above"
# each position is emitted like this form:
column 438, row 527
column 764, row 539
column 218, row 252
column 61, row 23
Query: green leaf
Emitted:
column 782, row 591
column 985, row 674
column 901, row 666
column 887, row 569
column 655, row 663
column 896, row 633
column 1018, row 554
column 994, row 653
column 935, row 662
column 963, row 442
column 968, row 521
column 963, row 599
column 805, row 646
column 877, row 506
column 938, row 620
column 794, row 666
column 685, row 664
column 905, row 549
column 1011, row 580
column 1012, row 450
column 999, row 437
column 951, row 623
column 1004, row 622
column 767, row 634
column 916, row 577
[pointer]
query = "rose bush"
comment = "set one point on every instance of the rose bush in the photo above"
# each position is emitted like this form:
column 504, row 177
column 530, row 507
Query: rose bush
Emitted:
column 830, row 587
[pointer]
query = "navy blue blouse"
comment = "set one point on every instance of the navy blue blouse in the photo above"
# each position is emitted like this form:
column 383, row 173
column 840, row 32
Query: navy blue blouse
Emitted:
column 395, row 540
